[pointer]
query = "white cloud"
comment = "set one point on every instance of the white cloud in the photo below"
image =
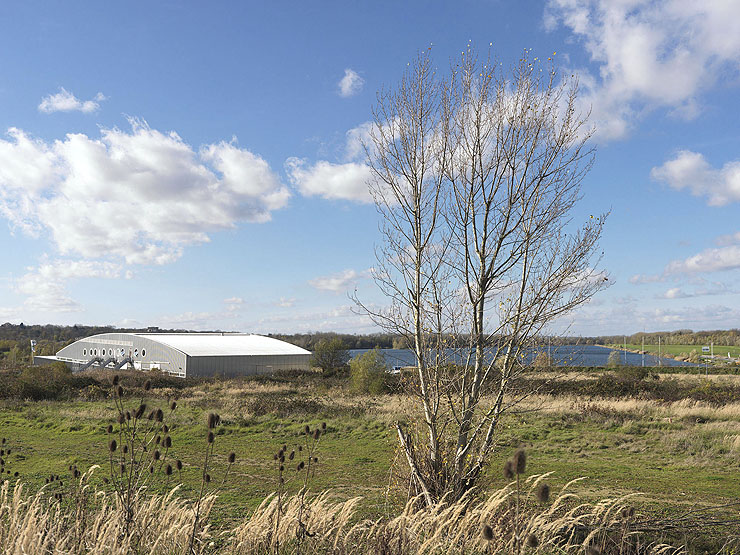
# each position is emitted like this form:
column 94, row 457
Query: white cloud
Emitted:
column 234, row 303
column 140, row 196
column 351, row 84
column 716, row 288
column 347, row 181
column 45, row 285
column 285, row 303
column 650, row 54
column 709, row 260
column 639, row 279
column 65, row 101
column 337, row 283
column 690, row 170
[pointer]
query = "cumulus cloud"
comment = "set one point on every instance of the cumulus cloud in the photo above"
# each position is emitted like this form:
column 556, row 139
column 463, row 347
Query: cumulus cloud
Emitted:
column 649, row 54
column 45, row 285
column 347, row 181
column 351, row 84
column 715, row 288
column 140, row 195
column 691, row 171
column 65, row 101
column 285, row 303
column 709, row 260
column 337, row 283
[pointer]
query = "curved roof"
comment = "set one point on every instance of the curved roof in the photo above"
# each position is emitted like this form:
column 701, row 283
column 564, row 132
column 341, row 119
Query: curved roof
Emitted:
column 227, row 344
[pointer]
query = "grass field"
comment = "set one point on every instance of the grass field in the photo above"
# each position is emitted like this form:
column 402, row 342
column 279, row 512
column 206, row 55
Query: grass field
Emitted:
column 675, row 454
column 677, row 350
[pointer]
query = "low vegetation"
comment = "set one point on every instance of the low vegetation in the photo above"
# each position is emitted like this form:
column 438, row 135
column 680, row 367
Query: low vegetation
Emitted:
column 639, row 462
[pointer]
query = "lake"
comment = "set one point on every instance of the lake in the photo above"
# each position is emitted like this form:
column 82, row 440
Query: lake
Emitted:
column 566, row 355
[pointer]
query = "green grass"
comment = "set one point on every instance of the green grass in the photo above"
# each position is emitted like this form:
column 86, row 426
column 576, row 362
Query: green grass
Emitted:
column 719, row 350
column 673, row 463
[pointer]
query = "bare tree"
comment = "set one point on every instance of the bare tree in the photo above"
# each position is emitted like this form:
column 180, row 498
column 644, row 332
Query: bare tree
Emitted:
column 477, row 175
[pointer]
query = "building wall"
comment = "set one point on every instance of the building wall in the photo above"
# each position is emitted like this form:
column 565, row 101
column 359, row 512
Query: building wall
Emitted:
column 247, row 365
column 146, row 354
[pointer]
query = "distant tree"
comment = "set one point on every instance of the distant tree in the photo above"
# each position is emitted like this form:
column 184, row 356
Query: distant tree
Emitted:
column 542, row 360
column 330, row 355
column 369, row 372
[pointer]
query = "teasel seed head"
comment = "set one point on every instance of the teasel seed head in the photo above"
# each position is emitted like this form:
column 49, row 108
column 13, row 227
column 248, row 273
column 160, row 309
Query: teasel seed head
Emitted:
column 307, row 430
column 115, row 379
column 300, row 448
column 316, row 433
column 123, row 469
column 110, row 428
column 315, row 459
column 300, row 466
column 291, row 456
column 168, row 470
column 165, row 429
column 160, row 415
column 487, row 533
column 509, row 470
column 282, row 468
column 168, row 442
column 520, row 461
column 119, row 391
column 151, row 469
column 178, row 464
column 112, row 445
column 147, row 385
column 173, row 405
column 213, row 420
column 125, row 449
column 208, row 478
column 323, row 426
column 543, row 493
column 128, row 415
column 211, row 437
column 121, row 418
column 533, row 541
column 232, row 457
column 140, row 411
column 157, row 440
column 105, row 480
column 150, row 416
column 157, row 454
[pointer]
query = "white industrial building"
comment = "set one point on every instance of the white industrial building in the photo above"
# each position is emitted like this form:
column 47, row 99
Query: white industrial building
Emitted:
column 183, row 354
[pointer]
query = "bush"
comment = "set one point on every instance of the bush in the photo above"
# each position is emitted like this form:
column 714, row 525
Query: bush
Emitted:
column 369, row 373
column 330, row 355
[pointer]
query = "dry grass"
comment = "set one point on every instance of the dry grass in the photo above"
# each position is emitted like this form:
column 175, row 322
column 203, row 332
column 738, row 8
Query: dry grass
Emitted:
column 91, row 523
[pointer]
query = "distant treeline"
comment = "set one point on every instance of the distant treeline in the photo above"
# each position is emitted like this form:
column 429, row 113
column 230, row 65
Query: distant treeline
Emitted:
column 680, row 337
column 15, row 338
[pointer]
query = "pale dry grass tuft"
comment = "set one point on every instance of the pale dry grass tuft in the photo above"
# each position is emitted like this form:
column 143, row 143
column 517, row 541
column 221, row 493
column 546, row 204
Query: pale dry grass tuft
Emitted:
column 37, row 524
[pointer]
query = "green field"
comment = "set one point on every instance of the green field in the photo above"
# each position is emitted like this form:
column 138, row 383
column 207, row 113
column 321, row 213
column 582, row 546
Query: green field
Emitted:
column 719, row 350
column 676, row 455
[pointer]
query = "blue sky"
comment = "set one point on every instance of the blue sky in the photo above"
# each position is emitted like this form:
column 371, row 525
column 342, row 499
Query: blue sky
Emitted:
column 196, row 165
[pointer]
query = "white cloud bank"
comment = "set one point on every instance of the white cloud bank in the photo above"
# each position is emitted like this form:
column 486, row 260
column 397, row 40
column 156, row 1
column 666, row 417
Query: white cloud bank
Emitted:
column 138, row 196
column 650, row 54
column 65, row 101
column 351, row 84
column 691, row 171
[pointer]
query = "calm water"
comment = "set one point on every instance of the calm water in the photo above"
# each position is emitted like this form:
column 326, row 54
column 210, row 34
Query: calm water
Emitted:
column 568, row 355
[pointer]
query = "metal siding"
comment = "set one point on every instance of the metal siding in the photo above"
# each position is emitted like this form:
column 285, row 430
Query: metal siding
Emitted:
column 171, row 360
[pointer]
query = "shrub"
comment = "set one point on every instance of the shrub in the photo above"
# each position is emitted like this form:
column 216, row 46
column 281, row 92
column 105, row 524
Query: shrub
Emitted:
column 369, row 373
